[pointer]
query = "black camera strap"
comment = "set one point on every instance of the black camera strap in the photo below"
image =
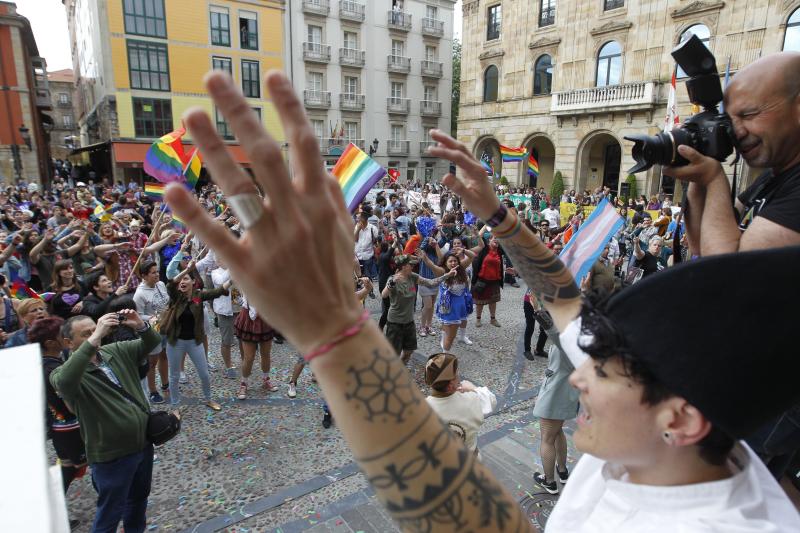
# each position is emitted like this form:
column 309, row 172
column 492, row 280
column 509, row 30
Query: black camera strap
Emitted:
column 764, row 193
column 101, row 373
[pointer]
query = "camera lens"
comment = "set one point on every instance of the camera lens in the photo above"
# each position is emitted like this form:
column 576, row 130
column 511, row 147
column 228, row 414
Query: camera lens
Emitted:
column 659, row 149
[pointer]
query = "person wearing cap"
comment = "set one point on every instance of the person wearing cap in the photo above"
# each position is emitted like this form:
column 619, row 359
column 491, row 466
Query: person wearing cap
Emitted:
column 425, row 477
column 460, row 404
column 660, row 424
column 401, row 289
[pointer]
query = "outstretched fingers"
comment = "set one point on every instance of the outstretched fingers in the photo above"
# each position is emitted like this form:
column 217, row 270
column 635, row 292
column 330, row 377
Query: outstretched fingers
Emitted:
column 209, row 230
column 303, row 143
column 224, row 170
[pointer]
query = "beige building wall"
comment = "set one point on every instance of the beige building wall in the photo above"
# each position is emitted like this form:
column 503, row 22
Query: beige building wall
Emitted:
column 574, row 125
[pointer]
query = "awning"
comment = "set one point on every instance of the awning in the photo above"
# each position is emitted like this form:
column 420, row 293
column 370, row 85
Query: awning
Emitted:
column 132, row 154
column 91, row 148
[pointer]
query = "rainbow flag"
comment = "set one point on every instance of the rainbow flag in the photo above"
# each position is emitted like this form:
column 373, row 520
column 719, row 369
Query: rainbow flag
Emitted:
column 512, row 155
column 102, row 213
column 155, row 190
column 357, row 173
column 533, row 166
column 166, row 160
column 193, row 168
column 179, row 222
column 20, row 289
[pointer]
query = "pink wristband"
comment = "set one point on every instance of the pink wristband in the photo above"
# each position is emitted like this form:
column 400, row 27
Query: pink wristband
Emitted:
column 349, row 332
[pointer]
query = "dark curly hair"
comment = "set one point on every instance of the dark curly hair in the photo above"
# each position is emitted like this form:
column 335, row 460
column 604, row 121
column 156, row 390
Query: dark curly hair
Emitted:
column 608, row 342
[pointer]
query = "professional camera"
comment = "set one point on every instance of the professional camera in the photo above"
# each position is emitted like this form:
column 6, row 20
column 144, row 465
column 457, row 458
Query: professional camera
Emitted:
column 709, row 132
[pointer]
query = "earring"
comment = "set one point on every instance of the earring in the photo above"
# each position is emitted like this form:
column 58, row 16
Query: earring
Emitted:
column 668, row 437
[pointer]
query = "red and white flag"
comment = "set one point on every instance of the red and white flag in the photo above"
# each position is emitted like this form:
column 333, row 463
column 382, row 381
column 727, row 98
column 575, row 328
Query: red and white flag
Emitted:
column 672, row 118
column 393, row 174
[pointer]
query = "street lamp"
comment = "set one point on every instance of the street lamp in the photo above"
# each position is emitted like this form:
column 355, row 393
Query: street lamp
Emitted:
column 373, row 149
column 26, row 135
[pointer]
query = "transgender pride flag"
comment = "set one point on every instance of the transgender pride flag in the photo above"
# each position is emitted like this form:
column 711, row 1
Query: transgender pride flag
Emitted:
column 585, row 246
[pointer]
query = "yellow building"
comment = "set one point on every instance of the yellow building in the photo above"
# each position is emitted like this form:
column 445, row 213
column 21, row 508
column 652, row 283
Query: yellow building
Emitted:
column 139, row 66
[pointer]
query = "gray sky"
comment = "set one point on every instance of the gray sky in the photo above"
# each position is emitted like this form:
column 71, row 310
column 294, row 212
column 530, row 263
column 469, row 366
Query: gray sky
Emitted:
column 49, row 21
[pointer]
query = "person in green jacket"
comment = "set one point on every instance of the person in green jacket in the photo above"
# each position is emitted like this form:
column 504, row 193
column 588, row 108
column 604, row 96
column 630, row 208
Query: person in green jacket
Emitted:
column 112, row 427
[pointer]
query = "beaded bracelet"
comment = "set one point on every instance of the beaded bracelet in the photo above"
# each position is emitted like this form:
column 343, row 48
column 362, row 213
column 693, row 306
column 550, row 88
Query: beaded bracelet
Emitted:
column 347, row 333
column 509, row 233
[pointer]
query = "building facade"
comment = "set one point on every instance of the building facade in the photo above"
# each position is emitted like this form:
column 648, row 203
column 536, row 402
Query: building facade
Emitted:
column 24, row 100
column 65, row 135
column 140, row 65
column 570, row 79
column 377, row 73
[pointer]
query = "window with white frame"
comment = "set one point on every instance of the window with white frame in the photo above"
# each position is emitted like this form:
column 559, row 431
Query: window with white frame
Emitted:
column 351, row 85
column 314, row 81
column 314, row 34
column 351, row 131
column 319, row 127
column 67, row 121
column 398, row 132
column 398, row 47
column 431, row 12
column 430, row 53
column 429, row 93
column 350, row 40
column 397, row 89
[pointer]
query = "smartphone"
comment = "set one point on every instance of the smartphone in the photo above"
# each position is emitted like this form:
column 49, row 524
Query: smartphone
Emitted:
column 452, row 169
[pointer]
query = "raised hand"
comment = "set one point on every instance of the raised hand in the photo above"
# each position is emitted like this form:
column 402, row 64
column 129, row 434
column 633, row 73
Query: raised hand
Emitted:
column 471, row 183
column 308, row 210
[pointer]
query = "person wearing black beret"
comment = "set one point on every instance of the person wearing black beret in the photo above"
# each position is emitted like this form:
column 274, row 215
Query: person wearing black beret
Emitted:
column 664, row 402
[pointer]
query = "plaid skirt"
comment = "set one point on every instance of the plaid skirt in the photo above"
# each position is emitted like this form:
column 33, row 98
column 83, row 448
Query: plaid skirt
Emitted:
column 490, row 294
column 252, row 330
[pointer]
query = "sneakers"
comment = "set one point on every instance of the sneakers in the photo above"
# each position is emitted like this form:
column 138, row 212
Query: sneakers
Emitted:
column 211, row 366
column 563, row 475
column 183, row 379
column 462, row 336
column 494, row 322
column 292, row 392
column 528, row 355
column 550, row 488
column 477, row 322
column 155, row 397
column 267, row 385
column 327, row 420
column 429, row 331
column 242, row 394
column 214, row 406
column 422, row 332
column 230, row 373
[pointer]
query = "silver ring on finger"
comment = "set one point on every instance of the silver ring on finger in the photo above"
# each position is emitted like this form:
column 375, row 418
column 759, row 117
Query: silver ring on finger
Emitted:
column 248, row 208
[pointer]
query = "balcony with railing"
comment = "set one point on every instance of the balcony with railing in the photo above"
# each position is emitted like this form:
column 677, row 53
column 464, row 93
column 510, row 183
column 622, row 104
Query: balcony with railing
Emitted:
column 354, row 11
column 395, row 147
column 352, row 57
column 316, row 52
column 626, row 97
column 423, row 148
column 398, row 106
column 352, row 102
column 432, row 27
column 398, row 64
column 431, row 69
column 316, row 7
column 430, row 108
column 317, row 99
column 398, row 20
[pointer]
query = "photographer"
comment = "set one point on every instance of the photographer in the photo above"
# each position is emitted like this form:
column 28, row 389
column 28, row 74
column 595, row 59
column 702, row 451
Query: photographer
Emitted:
column 763, row 101
column 112, row 427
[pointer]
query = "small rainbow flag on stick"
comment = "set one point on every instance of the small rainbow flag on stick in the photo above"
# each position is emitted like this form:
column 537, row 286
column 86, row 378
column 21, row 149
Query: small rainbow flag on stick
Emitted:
column 166, row 160
column 179, row 223
column 154, row 190
column 20, row 289
column 193, row 168
column 357, row 173
column 511, row 155
column 533, row 166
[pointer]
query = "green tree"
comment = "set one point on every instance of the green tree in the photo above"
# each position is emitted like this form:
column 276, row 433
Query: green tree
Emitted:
column 557, row 189
column 456, row 95
column 503, row 180
column 631, row 181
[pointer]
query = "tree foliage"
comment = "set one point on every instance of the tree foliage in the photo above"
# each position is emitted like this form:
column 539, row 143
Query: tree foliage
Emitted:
column 456, row 94
column 557, row 189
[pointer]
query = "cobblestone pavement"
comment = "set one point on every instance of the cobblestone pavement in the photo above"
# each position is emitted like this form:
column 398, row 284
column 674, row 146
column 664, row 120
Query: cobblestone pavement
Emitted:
column 267, row 462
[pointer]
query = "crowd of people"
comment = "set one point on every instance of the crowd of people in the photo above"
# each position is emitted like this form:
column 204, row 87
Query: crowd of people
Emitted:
column 119, row 293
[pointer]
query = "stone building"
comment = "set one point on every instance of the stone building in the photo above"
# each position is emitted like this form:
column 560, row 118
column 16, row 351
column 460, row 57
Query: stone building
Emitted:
column 569, row 79
column 24, row 100
column 65, row 134
column 377, row 73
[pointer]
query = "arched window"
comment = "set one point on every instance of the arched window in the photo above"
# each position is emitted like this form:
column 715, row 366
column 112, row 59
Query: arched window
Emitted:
column 792, row 39
column 702, row 32
column 609, row 64
column 490, row 84
column 543, row 75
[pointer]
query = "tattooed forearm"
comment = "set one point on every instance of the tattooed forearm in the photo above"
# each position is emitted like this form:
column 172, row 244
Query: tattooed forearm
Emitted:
column 421, row 472
column 543, row 271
